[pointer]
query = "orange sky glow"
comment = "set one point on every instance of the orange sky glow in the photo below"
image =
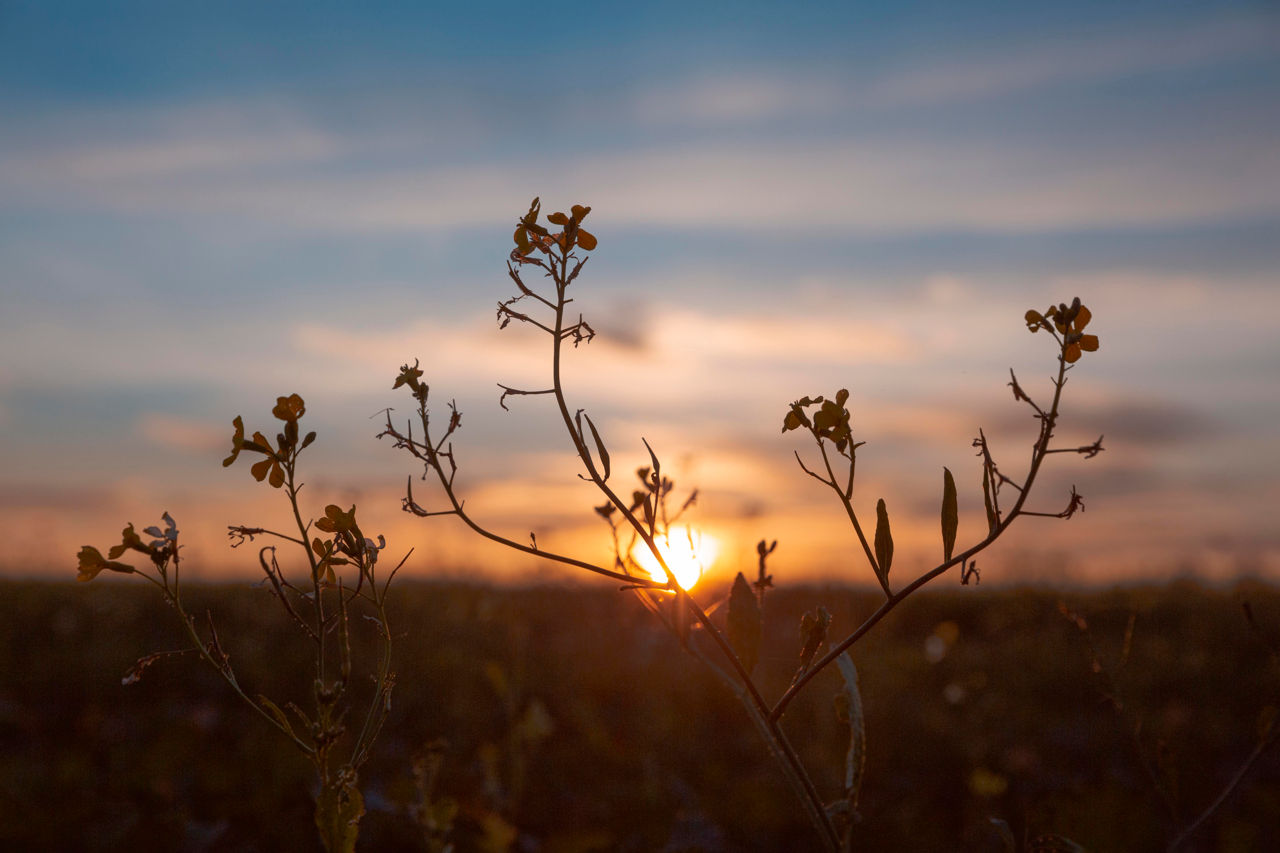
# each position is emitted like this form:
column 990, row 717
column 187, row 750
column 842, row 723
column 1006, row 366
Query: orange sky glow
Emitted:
column 785, row 206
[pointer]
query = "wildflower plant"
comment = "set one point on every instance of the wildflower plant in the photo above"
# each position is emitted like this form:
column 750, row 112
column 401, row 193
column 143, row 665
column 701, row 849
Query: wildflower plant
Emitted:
column 639, row 518
column 341, row 578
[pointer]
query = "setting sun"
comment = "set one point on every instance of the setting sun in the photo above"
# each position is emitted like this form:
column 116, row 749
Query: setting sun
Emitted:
column 688, row 552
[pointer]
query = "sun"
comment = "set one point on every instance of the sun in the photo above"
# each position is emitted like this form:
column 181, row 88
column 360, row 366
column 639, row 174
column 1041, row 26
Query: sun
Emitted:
column 688, row 552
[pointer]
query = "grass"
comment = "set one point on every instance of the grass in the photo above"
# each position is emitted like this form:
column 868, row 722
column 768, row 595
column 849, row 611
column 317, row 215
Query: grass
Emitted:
column 575, row 721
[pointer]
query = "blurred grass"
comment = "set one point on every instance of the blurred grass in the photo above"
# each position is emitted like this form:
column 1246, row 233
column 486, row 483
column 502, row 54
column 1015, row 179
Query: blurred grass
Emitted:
column 572, row 715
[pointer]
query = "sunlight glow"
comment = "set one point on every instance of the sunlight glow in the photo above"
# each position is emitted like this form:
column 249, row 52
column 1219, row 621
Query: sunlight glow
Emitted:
column 688, row 552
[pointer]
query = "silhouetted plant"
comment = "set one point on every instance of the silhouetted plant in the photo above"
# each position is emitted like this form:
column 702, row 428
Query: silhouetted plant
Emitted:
column 732, row 650
column 341, row 575
column 1157, row 761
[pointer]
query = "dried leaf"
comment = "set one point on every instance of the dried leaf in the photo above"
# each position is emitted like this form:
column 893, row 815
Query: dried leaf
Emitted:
column 992, row 519
column 745, row 623
column 950, row 514
column 884, row 540
column 849, row 711
column 600, row 448
column 813, row 631
column 276, row 712
column 338, row 813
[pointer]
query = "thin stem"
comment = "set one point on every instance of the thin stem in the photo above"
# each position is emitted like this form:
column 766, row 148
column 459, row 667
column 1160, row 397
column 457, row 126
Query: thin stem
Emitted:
column 1258, row 751
column 188, row 623
column 377, row 705
column 1037, row 458
column 779, row 747
column 853, row 517
column 317, row 600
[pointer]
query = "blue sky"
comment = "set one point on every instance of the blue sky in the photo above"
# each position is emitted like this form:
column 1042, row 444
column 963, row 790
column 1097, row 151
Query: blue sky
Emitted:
column 204, row 207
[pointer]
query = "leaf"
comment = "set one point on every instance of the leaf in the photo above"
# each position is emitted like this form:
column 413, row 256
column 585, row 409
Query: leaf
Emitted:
column 745, row 623
column 338, row 813
column 277, row 713
column 950, row 514
column 849, row 711
column 884, row 540
column 813, row 631
column 653, row 457
column 600, row 448
column 992, row 518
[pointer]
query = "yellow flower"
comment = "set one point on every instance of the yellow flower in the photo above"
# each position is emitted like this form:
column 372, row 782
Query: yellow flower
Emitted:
column 1069, row 320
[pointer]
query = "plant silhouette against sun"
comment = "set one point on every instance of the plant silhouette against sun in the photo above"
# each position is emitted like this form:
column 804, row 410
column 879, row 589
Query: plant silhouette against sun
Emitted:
column 732, row 649
column 342, row 576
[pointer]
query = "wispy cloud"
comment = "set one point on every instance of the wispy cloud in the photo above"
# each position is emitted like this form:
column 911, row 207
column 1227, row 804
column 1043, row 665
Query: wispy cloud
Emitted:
column 1049, row 62
column 183, row 433
column 873, row 187
column 1037, row 61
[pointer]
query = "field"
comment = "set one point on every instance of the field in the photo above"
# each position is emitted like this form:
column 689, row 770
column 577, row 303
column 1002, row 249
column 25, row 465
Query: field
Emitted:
column 570, row 720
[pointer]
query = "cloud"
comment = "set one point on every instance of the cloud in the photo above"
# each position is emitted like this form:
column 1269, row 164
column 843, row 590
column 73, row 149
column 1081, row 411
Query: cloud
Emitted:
column 779, row 188
column 745, row 95
column 183, row 433
column 1086, row 58
column 741, row 96
column 140, row 145
column 677, row 355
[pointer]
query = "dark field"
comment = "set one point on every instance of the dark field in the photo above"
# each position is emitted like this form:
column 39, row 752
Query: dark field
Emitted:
column 576, row 719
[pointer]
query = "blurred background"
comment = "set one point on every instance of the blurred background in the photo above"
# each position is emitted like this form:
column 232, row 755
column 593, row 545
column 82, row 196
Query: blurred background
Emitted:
column 204, row 207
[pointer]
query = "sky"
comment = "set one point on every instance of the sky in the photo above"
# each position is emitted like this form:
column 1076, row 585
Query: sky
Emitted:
column 206, row 206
